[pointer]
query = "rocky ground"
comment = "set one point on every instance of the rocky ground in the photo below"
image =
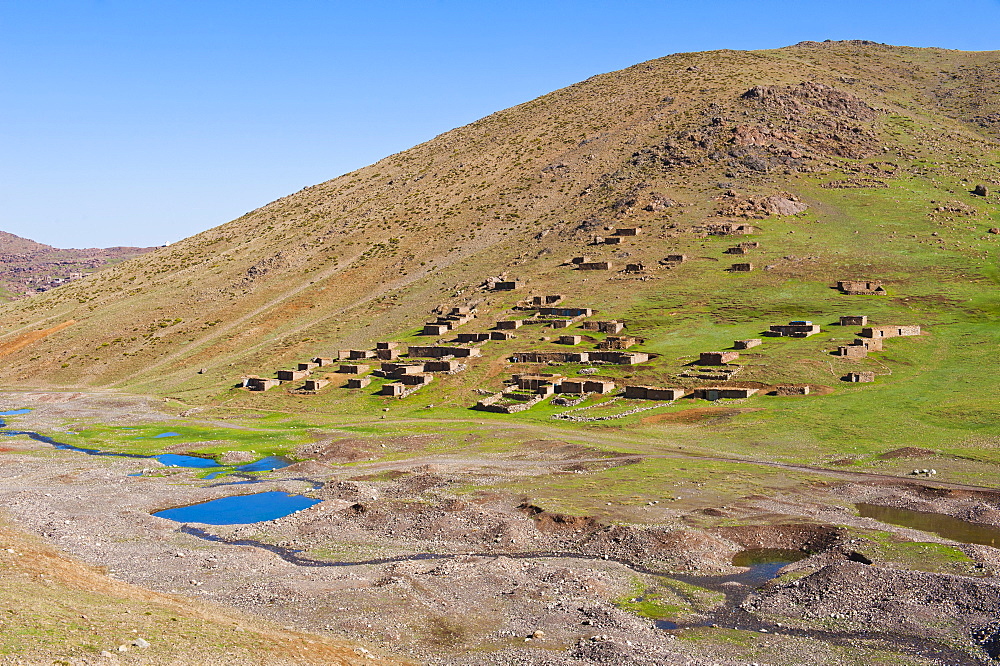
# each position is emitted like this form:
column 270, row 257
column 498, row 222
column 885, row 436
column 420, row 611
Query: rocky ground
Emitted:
column 429, row 562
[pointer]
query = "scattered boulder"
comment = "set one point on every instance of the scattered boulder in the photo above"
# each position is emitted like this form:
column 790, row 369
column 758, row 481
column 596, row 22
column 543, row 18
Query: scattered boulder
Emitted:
column 980, row 190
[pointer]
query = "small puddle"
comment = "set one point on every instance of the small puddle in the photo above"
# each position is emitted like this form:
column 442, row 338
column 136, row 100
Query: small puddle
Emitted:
column 941, row 524
column 762, row 564
column 167, row 434
column 240, row 509
column 15, row 412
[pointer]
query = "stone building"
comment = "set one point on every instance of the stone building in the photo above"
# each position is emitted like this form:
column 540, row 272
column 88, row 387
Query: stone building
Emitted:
column 509, row 324
column 437, row 351
column 570, row 339
column 717, row 357
column 617, row 342
column 795, row 329
column 323, row 361
column 862, row 376
column 628, row 232
column 792, row 390
column 359, row 382
column 309, row 365
column 654, row 393
column 473, row 337
column 565, row 312
column 861, row 287
column 746, row 344
column 501, row 335
column 579, row 386
column 893, row 331
column 353, row 368
column 675, row 258
column 292, row 375
column 619, row 357
column 741, row 268
column 315, row 384
column 552, row 299
column 717, row 393
column 854, row 320
column 596, row 266
column 852, row 351
column 260, row 383
column 612, row 327
column 507, row 285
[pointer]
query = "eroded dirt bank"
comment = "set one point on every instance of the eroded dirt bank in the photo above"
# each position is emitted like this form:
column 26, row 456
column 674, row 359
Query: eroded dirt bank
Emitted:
column 434, row 563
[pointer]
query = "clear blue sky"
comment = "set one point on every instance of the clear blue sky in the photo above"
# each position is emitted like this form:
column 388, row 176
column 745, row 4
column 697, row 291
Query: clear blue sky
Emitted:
column 140, row 122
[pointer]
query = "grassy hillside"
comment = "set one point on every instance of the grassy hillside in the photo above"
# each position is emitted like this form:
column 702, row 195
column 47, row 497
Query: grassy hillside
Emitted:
column 883, row 144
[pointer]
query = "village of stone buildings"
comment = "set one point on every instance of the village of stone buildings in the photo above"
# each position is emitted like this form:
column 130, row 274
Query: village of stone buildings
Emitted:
column 714, row 375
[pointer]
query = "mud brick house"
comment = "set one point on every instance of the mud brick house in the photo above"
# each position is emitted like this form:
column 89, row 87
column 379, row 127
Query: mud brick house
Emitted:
column 449, row 365
column 628, row 232
column 871, row 344
column 435, row 329
column 675, row 258
column 586, row 386
column 617, row 342
column 611, row 327
column 260, row 383
column 439, row 351
column 730, row 229
column 570, row 339
column 359, row 382
column 416, row 380
column 309, row 365
column 861, row 287
column 397, row 370
column 717, row 393
column 473, row 337
column 322, row 361
column 595, row 266
column 315, row 384
column 394, row 389
column 387, row 354
column 619, row 357
column 795, row 329
column 863, row 376
column 536, row 382
column 741, row 268
column 893, row 331
column 746, row 344
column 292, row 375
column 551, row 299
column 854, row 320
column 551, row 357
column 509, row 324
column 717, row 357
column 653, row 393
column 565, row 312
column 501, row 335
column 852, row 351
column 353, row 369
column 792, row 390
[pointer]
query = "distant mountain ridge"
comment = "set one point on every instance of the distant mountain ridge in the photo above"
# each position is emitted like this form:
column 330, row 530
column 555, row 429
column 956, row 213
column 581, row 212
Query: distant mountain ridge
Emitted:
column 28, row 267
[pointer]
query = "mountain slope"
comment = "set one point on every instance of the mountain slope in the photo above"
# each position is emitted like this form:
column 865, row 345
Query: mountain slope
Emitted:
column 882, row 143
column 27, row 267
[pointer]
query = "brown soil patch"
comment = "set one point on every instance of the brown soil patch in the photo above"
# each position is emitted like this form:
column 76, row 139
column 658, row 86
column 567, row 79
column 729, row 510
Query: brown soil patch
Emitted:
column 22, row 341
column 809, row 538
column 697, row 415
column 906, row 452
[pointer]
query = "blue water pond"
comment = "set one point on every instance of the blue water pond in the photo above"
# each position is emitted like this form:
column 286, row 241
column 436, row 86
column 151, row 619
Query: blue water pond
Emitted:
column 167, row 434
column 240, row 509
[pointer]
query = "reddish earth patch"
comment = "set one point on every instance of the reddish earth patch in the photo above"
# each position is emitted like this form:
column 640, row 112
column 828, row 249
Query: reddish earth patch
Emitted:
column 906, row 452
column 698, row 415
